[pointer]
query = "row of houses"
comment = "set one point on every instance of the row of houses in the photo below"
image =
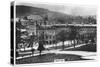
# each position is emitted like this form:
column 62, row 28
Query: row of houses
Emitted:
column 36, row 25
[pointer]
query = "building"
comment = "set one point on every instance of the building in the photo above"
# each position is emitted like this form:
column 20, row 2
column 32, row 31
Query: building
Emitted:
column 47, row 31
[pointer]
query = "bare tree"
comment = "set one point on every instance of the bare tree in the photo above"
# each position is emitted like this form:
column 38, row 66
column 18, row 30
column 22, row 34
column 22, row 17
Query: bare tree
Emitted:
column 63, row 36
column 73, row 34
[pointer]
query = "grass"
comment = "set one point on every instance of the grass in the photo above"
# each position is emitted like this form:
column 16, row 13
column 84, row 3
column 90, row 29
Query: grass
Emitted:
column 88, row 47
column 49, row 58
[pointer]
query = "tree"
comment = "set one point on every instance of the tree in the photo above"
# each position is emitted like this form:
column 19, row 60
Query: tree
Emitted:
column 62, row 36
column 19, row 26
column 41, row 43
column 91, row 20
column 19, row 33
column 30, row 40
column 73, row 34
column 19, row 40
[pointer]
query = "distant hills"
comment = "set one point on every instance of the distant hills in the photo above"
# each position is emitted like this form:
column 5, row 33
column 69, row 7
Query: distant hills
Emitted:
column 22, row 10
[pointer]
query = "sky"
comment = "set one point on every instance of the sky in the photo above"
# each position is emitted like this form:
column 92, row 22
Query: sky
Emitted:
column 76, row 10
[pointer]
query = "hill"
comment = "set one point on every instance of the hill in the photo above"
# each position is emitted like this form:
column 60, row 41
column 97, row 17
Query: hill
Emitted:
column 22, row 10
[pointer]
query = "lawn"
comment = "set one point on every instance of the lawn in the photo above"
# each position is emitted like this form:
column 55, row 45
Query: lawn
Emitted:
column 88, row 47
column 49, row 58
